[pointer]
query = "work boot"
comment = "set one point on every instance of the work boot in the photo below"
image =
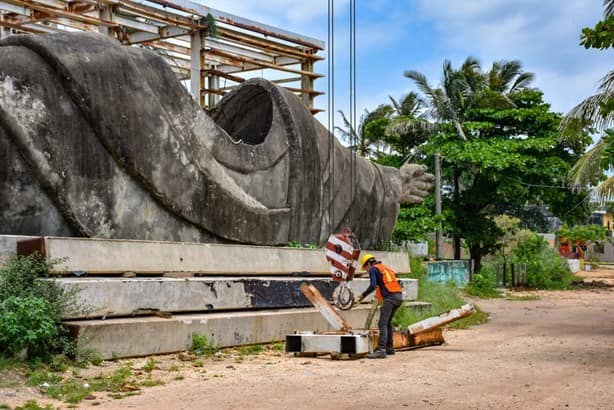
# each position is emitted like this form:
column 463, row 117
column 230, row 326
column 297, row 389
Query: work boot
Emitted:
column 390, row 350
column 377, row 354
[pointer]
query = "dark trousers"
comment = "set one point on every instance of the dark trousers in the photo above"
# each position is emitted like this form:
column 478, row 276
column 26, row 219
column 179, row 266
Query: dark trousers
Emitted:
column 391, row 303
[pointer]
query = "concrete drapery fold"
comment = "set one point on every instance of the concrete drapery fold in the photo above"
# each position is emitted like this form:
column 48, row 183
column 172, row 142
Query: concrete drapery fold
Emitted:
column 102, row 140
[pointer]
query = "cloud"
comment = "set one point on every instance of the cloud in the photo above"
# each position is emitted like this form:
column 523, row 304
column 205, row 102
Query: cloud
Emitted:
column 544, row 35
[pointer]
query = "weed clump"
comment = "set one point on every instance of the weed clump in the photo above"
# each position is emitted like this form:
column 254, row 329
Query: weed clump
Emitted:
column 31, row 309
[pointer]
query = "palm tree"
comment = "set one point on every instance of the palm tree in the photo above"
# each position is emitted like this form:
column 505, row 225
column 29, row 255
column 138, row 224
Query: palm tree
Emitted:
column 358, row 138
column 595, row 113
column 507, row 77
column 409, row 127
column 465, row 88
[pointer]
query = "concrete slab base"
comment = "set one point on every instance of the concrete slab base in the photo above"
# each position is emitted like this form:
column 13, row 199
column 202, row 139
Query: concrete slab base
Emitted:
column 129, row 337
column 113, row 297
column 106, row 256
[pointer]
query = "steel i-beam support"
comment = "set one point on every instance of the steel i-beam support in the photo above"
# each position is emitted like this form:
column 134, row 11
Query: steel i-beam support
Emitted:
column 197, row 44
column 4, row 31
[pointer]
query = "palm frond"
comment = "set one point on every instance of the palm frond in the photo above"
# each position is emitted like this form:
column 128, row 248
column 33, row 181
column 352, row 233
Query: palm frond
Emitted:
column 589, row 167
column 408, row 125
column 606, row 85
column 608, row 8
column 395, row 105
column 522, row 81
column 348, row 133
column 606, row 188
column 421, row 82
column 590, row 111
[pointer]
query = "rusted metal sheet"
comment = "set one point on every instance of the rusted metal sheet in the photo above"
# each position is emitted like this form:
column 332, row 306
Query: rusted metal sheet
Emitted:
column 403, row 340
column 330, row 314
column 31, row 246
column 441, row 320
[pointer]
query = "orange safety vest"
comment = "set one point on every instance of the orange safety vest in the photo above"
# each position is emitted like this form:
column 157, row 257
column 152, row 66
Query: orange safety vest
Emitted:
column 390, row 281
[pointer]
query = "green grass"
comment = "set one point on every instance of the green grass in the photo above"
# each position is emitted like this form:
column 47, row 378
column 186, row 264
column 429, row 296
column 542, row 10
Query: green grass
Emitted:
column 33, row 405
column 443, row 297
column 150, row 365
column 521, row 297
column 251, row 350
column 151, row 383
column 4, row 406
column 202, row 346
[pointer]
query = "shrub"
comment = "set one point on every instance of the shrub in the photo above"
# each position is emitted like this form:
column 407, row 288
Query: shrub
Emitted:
column 31, row 309
column 27, row 322
column 483, row 285
column 202, row 346
column 546, row 269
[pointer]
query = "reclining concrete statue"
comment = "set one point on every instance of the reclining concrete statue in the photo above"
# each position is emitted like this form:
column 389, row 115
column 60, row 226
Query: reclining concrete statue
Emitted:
column 102, row 140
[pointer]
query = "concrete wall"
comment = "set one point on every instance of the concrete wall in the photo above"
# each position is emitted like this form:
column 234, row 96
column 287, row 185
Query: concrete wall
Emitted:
column 118, row 256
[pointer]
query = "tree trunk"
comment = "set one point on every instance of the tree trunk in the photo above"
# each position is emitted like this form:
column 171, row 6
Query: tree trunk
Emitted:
column 476, row 254
column 457, row 238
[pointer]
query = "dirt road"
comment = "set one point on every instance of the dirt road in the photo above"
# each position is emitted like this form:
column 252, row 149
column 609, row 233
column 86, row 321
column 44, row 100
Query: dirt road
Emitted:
column 555, row 352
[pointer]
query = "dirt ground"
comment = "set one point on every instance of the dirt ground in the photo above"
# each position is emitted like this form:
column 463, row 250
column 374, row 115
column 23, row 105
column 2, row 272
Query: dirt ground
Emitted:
column 554, row 352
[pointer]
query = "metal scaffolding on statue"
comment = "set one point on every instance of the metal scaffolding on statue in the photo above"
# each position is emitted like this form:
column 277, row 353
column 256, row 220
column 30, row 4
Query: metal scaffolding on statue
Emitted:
column 179, row 30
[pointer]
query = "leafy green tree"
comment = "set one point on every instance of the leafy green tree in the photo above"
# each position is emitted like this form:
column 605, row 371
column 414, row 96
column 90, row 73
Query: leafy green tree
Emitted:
column 415, row 222
column 583, row 233
column 602, row 35
column 512, row 157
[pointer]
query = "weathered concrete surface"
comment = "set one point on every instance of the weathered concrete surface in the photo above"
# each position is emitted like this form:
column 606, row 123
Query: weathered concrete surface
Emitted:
column 8, row 244
column 108, row 297
column 101, row 140
column 118, row 256
column 153, row 335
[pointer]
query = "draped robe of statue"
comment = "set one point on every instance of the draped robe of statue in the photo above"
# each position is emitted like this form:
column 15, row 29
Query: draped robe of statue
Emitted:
column 102, row 140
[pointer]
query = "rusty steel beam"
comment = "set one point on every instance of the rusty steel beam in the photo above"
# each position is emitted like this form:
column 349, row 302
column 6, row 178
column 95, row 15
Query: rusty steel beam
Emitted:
column 61, row 13
column 405, row 340
column 222, row 74
column 264, row 64
column 265, row 44
column 326, row 309
column 304, row 91
column 164, row 45
column 213, row 91
column 160, row 15
column 230, row 19
column 164, row 32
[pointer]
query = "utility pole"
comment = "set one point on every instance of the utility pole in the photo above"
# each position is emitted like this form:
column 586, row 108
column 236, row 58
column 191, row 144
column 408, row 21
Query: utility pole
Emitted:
column 438, row 238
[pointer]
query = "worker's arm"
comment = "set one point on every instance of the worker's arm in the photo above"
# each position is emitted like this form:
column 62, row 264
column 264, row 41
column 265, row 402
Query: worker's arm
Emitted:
column 373, row 271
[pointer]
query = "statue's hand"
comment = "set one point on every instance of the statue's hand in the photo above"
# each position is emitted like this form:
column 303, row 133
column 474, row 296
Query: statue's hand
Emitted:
column 416, row 183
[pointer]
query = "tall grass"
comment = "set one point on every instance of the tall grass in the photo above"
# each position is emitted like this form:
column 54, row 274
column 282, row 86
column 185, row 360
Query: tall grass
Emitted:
column 442, row 296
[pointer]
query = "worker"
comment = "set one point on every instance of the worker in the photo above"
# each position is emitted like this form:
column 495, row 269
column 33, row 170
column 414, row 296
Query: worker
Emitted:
column 387, row 290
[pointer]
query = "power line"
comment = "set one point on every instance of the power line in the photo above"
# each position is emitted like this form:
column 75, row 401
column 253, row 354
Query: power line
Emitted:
column 331, row 111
